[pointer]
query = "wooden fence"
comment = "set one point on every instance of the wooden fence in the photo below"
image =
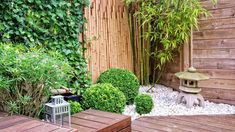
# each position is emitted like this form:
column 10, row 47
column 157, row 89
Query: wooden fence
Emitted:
column 213, row 53
column 213, row 47
column 108, row 23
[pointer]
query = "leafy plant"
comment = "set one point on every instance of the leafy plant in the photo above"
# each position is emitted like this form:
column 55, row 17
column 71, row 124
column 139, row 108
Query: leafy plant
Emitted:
column 75, row 107
column 50, row 24
column 27, row 77
column 125, row 80
column 144, row 104
column 167, row 25
column 104, row 97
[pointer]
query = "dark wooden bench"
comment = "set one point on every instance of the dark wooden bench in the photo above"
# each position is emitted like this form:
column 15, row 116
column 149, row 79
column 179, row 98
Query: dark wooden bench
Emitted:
column 99, row 121
column 18, row 123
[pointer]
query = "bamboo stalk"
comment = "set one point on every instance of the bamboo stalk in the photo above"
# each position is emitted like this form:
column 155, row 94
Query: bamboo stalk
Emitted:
column 191, row 47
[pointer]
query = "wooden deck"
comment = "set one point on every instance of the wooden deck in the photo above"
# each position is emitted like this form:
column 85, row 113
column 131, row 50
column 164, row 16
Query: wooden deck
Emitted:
column 99, row 121
column 24, row 124
column 201, row 123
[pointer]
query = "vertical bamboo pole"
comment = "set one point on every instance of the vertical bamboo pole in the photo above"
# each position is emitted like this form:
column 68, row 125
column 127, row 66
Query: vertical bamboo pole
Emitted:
column 191, row 47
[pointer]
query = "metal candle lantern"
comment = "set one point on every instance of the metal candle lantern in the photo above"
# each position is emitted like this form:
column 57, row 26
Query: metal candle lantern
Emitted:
column 57, row 109
column 189, row 87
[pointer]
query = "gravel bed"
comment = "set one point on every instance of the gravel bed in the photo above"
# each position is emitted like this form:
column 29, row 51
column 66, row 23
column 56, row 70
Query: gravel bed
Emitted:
column 164, row 99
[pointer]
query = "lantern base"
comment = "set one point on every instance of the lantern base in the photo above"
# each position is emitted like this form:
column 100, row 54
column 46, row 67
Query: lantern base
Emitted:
column 190, row 99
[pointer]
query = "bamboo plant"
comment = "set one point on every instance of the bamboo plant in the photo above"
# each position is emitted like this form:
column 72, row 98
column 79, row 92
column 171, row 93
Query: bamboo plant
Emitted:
column 164, row 26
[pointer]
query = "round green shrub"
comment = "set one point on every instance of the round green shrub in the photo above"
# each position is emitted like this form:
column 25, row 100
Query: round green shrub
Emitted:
column 144, row 104
column 125, row 80
column 104, row 97
column 75, row 107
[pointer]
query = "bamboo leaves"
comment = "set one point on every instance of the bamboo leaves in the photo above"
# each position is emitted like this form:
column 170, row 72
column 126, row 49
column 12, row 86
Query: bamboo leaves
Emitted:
column 170, row 22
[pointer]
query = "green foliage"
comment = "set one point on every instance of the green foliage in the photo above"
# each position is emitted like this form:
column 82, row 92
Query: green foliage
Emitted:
column 168, row 24
column 27, row 77
column 51, row 24
column 144, row 104
column 104, row 97
column 125, row 80
column 75, row 107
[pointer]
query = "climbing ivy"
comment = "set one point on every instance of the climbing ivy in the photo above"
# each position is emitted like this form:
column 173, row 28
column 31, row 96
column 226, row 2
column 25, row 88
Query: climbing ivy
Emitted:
column 49, row 24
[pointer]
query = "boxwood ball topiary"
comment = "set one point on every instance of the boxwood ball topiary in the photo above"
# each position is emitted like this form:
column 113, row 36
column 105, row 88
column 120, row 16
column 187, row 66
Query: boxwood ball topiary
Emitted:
column 75, row 107
column 125, row 80
column 104, row 97
column 144, row 104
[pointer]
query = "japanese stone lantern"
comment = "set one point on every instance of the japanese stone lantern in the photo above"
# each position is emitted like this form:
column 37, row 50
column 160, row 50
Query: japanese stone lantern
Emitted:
column 189, row 87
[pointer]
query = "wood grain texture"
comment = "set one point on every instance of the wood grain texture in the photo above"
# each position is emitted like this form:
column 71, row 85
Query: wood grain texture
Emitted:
column 213, row 53
column 214, row 44
column 17, row 123
column 214, row 63
column 86, row 121
column 202, row 123
column 100, row 121
column 224, row 101
column 220, row 4
column 228, row 33
column 219, row 93
column 223, row 12
column 217, row 23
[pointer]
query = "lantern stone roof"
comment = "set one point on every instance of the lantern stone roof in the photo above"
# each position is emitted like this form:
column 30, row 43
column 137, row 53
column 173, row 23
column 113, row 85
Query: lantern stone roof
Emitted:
column 191, row 74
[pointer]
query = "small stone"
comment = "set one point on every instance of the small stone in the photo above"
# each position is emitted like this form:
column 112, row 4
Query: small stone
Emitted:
column 164, row 99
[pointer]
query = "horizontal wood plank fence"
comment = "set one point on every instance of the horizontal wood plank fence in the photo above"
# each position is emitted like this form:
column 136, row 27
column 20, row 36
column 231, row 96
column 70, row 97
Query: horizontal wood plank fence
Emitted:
column 213, row 53
column 108, row 23
column 213, row 46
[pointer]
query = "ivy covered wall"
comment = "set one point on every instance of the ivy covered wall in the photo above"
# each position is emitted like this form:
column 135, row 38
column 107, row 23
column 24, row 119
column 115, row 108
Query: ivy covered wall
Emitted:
column 48, row 24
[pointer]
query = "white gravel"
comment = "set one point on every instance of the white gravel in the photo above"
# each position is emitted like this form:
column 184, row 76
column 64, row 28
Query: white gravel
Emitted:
column 164, row 99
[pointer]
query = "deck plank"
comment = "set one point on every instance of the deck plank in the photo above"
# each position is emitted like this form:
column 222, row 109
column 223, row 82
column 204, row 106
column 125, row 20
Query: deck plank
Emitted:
column 3, row 114
column 43, row 128
column 23, row 126
column 11, row 121
column 83, row 128
column 101, row 121
column 201, row 127
column 17, row 123
column 127, row 129
column 97, row 121
column 105, row 114
column 210, row 121
column 144, row 129
column 153, row 126
column 195, row 123
column 172, row 126
column 88, row 123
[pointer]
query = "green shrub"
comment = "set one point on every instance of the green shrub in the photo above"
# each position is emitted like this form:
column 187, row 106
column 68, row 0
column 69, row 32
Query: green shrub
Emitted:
column 27, row 77
column 125, row 80
column 51, row 24
column 104, row 97
column 75, row 107
column 144, row 104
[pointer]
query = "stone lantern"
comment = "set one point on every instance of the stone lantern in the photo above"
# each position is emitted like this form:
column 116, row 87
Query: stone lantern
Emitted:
column 189, row 87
